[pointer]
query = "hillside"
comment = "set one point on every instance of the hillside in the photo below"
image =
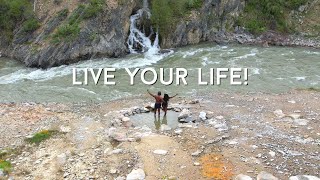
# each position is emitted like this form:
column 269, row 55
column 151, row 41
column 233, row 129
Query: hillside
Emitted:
column 46, row 33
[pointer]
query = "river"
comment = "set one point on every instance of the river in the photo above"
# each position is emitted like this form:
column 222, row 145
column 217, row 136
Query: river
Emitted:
column 271, row 70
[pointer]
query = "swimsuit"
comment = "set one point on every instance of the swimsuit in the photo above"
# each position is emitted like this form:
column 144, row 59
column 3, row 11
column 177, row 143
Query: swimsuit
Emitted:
column 157, row 105
column 165, row 104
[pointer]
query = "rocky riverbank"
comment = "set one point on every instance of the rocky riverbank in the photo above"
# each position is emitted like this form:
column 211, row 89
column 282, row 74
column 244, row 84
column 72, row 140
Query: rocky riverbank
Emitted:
column 223, row 136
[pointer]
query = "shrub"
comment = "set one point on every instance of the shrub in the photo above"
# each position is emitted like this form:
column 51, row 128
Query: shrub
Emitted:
column 5, row 166
column 166, row 13
column 94, row 7
column 15, row 13
column 63, row 12
column 261, row 15
column 41, row 136
column 30, row 25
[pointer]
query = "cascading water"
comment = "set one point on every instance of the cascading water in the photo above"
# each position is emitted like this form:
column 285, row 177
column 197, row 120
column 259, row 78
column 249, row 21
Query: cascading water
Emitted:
column 137, row 40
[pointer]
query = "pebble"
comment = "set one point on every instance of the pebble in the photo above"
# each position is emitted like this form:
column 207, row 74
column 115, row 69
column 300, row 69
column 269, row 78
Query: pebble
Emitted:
column 113, row 171
column 160, row 152
column 184, row 114
column 196, row 163
column 272, row 154
column 136, row 174
column 117, row 151
column 178, row 131
column 203, row 115
column 242, row 177
column 304, row 177
column 62, row 159
column 266, row 176
column 301, row 122
column 278, row 113
column 197, row 153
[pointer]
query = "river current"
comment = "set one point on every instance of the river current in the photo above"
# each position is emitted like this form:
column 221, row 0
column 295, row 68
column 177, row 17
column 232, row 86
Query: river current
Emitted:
column 271, row 70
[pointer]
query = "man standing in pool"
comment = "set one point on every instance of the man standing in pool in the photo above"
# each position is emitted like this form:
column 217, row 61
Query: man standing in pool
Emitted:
column 159, row 100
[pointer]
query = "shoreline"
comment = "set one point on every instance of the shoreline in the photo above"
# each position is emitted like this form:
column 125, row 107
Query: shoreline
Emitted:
column 250, row 133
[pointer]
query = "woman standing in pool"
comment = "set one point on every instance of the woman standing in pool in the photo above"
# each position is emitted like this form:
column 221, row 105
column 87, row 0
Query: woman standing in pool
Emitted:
column 157, row 104
column 165, row 102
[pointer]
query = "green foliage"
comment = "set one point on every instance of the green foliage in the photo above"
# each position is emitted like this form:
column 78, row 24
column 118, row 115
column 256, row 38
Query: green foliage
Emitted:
column 5, row 166
column 76, row 15
column 93, row 8
column 71, row 30
column 66, row 33
column 165, row 13
column 260, row 15
column 194, row 4
column 13, row 12
column 63, row 12
column 30, row 25
column 41, row 136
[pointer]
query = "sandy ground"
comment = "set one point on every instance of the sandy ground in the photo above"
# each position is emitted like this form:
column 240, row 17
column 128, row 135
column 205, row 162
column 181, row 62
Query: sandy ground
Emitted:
column 242, row 134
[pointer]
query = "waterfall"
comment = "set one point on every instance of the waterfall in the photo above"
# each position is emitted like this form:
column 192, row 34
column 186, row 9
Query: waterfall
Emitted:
column 139, row 41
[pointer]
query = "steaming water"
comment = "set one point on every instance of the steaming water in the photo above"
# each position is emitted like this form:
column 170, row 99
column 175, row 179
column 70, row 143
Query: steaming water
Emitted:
column 274, row 70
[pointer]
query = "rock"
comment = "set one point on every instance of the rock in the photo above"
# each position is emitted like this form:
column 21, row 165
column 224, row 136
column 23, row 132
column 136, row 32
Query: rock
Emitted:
column 127, row 124
column 219, row 117
column 218, row 139
column 220, row 125
column 272, row 154
column 65, row 129
column 195, row 101
column 292, row 101
column 203, row 116
column 186, row 120
column 278, row 113
column 302, row 8
column 172, row 178
column 304, row 177
column 266, row 176
column 120, row 178
column 295, row 116
column 117, row 151
column 165, row 127
column 113, row 171
column 185, row 113
column 197, row 153
column 178, row 131
column 196, row 163
column 301, row 122
column 125, row 119
column 185, row 125
column 232, row 142
column 242, row 177
column 1, row 173
column 136, row 174
column 62, row 159
column 117, row 135
column 160, row 152
column 176, row 109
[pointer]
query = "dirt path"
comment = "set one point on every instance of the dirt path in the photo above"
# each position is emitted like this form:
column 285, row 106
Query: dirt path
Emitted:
column 176, row 163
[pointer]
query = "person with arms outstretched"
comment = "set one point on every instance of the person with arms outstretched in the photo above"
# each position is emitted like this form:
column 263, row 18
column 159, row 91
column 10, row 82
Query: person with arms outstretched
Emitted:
column 165, row 102
column 159, row 100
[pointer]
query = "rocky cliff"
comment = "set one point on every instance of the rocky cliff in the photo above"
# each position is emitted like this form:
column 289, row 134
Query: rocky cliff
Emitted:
column 83, row 29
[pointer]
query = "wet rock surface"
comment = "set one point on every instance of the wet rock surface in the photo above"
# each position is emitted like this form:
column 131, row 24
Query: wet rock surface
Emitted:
column 239, row 139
